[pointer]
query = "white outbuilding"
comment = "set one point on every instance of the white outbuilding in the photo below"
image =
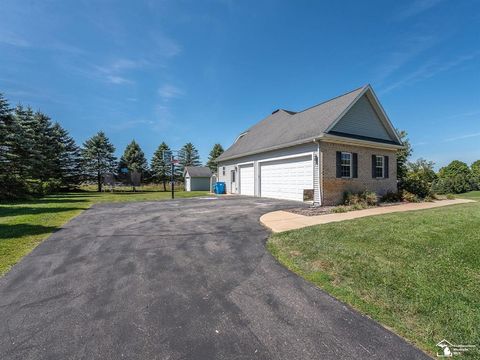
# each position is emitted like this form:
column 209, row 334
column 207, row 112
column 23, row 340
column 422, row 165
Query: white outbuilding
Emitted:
column 197, row 178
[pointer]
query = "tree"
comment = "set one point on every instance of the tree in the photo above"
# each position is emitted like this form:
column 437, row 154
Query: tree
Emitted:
column 455, row 178
column 475, row 167
column 402, row 157
column 133, row 158
column 187, row 156
column 161, row 170
column 7, row 129
column 67, row 164
column 98, row 157
column 217, row 150
column 25, row 138
column 419, row 178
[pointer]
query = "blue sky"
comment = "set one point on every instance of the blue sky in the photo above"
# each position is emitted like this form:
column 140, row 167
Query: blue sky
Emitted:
column 203, row 71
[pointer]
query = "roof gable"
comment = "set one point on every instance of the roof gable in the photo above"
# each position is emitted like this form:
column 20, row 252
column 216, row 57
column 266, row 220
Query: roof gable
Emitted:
column 286, row 128
column 198, row 171
column 362, row 120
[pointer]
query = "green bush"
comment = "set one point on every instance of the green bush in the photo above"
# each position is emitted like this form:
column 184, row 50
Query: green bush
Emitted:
column 391, row 197
column 340, row 209
column 419, row 178
column 409, row 197
column 455, row 178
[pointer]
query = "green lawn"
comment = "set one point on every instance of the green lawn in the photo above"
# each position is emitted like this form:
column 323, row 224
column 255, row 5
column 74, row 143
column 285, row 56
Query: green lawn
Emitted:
column 24, row 224
column 417, row 273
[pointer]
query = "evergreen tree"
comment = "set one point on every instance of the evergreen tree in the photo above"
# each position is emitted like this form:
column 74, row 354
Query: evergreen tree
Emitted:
column 217, row 150
column 43, row 148
column 187, row 156
column 7, row 130
column 98, row 157
column 24, row 143
column 67, row 165
column 133, row 158
column 161, row 170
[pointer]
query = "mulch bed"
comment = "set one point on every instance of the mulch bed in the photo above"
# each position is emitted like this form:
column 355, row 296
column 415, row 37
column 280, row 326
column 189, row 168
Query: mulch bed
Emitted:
column 312, row 211
column 324, row 210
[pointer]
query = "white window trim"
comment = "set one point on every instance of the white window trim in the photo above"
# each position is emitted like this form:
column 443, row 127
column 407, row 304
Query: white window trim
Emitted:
column 223, row 171
column 351, row 164
column 383, row 166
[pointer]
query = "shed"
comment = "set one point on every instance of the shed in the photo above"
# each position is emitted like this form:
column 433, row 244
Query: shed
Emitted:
column 197, row 178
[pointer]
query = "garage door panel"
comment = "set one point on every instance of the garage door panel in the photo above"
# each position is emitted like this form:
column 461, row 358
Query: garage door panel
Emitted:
column 286, row 179
column 247, row 180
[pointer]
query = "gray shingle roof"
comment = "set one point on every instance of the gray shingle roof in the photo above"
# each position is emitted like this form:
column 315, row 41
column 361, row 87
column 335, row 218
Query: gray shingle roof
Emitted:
column 198, row 171
column 284, row 127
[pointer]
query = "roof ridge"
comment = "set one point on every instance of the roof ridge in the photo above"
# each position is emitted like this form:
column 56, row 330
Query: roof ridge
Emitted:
column 336, row 97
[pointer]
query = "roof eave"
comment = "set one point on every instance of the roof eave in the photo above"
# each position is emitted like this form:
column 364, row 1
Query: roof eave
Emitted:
column 271, row 148
column 359, row 142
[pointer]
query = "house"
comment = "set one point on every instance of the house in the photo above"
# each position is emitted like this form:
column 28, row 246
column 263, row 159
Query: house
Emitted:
column 197, row 178
column 343, row 144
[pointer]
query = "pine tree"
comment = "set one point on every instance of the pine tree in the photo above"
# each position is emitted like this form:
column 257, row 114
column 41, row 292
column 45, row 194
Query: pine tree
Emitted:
column 27, row 158
column 133, row 158
column 7, row 128
column 161, row 170
column 67, row 165
column 43, row 147
column 187, row 156
column 98, row 157
column 217, row 150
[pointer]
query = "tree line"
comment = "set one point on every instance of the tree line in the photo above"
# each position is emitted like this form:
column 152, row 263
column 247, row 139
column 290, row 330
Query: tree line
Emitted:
column 38, row 156
column 420, row 179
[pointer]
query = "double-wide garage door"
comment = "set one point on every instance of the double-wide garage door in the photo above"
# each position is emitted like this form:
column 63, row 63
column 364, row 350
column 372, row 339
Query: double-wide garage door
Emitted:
column 286, row 179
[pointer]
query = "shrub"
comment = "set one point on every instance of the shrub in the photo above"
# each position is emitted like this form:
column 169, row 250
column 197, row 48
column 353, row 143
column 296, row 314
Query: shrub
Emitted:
column 363, row 199
column 370, row 197
column 419, row 178
column 409, row 197
column 450, row 196
column 391, row 197
column 340, row 209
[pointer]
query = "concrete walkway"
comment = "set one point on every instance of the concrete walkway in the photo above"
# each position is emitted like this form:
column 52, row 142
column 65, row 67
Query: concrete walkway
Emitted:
column 279, row 221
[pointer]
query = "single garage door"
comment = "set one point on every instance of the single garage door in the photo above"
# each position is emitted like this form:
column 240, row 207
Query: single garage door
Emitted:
column 286, row 179
column 246, row 177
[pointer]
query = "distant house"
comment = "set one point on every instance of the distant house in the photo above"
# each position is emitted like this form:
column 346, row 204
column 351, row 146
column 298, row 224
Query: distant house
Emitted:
column 343, row 144
column 197, row 178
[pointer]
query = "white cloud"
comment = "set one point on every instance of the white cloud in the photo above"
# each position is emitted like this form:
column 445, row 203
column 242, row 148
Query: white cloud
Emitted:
column 461, row 137
column 429, row 70
column 9, row 38
column 417, row 7
column 414, row 46
column 168, row 92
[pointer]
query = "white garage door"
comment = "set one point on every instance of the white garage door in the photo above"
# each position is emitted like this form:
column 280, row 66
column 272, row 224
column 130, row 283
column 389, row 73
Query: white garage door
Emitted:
column 286, row 179
column 246, row 176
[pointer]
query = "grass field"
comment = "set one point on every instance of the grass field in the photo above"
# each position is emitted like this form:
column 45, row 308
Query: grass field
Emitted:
column 24, row 224
column 417, row 273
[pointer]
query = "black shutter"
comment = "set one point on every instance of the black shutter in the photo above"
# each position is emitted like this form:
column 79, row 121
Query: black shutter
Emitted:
column 339, row 164
column 355, row 165
column 374, row 164
column 385, row 164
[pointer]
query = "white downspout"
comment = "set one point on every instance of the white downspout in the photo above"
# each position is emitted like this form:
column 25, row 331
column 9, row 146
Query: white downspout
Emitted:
column 319, row 174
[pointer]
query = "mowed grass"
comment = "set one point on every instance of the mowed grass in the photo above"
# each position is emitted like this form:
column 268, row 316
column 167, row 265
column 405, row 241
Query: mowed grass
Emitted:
column 24, row 224
column 417, row 273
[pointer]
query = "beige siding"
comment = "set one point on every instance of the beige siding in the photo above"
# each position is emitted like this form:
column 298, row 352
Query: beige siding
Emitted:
column 362, row 120
column 334, row 188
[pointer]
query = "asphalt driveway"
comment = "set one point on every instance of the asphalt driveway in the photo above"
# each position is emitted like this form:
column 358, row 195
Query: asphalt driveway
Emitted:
column 186, row 279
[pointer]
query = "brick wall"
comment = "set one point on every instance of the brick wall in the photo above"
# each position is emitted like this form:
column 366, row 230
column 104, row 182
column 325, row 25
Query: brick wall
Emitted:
column 334, row 188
